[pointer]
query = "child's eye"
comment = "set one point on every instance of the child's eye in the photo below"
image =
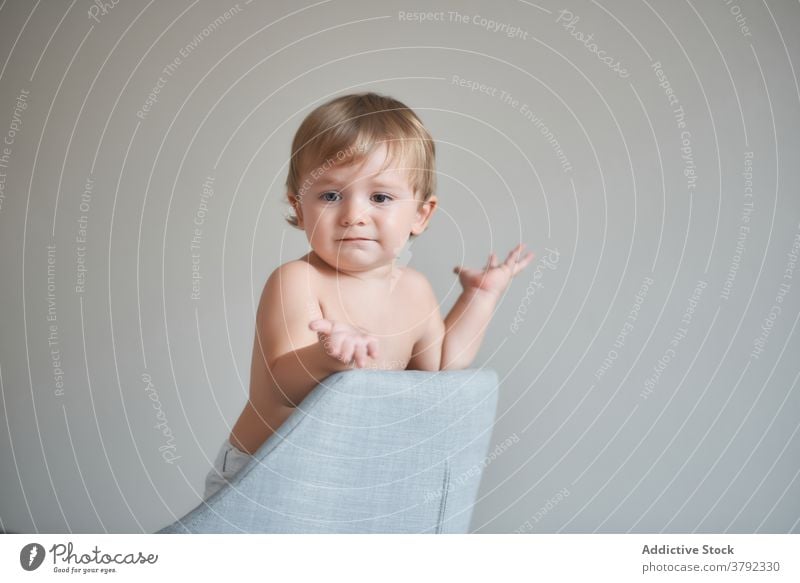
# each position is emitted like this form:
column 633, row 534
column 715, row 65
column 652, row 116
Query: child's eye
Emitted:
column 325, row 197
column 381, row 197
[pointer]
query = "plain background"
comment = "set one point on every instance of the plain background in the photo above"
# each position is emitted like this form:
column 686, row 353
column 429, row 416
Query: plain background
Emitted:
column 677, row 425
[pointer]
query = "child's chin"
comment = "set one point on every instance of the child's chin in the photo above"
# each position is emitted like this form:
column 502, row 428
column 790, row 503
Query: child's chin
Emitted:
column 359, row 261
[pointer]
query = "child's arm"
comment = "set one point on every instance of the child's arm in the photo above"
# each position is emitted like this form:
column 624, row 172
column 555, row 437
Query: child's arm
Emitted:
column 288, row 357
column 426, row 353
column 466, row 323
column 292, row 351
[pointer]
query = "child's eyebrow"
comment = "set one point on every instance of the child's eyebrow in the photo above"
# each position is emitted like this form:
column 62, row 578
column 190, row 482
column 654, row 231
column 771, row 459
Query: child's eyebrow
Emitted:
column 377, row 183
column 386, row 184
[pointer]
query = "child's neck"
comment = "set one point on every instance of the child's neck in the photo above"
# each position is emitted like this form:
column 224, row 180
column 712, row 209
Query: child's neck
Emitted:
column 383, row 274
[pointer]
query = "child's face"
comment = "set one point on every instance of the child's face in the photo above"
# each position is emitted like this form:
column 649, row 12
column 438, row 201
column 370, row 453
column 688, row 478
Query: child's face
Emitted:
column 353, row 202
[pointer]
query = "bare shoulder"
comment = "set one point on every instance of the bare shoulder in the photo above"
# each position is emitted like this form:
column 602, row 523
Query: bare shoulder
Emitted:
column 288, row 303
column 295, row 271
column 291, row 286
column 417, row 286
column 416, row 280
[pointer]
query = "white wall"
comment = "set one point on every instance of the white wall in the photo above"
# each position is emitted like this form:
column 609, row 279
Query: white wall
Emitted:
column 619, row 193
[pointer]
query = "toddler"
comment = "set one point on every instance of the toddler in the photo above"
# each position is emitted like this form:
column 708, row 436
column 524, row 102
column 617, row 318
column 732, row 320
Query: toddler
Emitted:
column 361, row 182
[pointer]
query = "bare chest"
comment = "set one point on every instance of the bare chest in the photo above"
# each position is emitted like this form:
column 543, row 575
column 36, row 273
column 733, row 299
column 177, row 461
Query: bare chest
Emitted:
column 391, row 315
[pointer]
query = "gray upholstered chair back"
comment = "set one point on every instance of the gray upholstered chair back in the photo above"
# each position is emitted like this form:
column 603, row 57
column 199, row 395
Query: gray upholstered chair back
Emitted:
column 366, row 451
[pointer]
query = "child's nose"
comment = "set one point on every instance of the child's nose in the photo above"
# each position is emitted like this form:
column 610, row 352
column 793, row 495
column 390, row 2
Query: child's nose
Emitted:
column 354, row 212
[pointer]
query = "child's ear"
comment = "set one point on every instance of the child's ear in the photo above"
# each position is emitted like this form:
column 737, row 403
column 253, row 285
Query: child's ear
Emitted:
column 294, row 200
column 424, row 214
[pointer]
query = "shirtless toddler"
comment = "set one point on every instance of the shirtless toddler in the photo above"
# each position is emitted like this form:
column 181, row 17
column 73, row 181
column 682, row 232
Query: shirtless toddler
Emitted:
column 361, row 182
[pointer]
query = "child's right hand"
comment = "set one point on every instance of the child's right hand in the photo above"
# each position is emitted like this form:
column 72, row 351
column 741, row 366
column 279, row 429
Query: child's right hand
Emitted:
column 344, row 342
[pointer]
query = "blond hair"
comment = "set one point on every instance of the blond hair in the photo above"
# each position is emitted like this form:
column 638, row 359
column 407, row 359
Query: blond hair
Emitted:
column 349, row 128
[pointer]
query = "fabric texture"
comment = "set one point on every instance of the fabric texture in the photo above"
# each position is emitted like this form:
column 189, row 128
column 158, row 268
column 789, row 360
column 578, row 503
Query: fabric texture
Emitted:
column 367, row 451
column 229, row 461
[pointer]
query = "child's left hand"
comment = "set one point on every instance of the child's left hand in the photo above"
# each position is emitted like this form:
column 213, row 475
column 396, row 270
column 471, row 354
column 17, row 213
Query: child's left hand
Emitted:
column 495, row 278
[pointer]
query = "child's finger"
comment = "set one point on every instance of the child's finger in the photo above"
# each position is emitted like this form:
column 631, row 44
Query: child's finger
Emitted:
column 346, row 352
column 514, row 254
column 333, row 346
column 324, row 326
column 360, row 355
column 372, row 348
column 470, row 272
column 523, row 263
